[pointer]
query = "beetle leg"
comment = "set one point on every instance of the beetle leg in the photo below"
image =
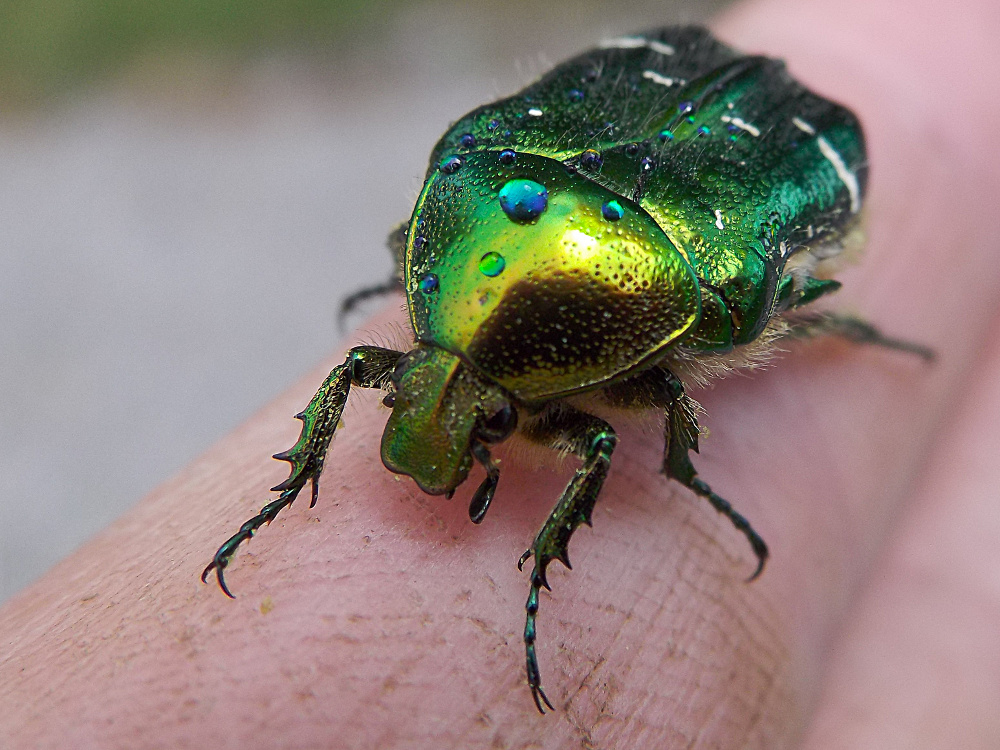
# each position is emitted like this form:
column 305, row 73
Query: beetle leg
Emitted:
column 593, row 440
column 853, row 329
column 681, row 434
column 367, row 367
column 484, row 493
column 396, row 242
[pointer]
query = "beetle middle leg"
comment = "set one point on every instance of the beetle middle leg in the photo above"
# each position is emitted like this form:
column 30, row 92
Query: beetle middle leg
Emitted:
column 592, row 440
column 681, row 437
column 365, row 366
column 396, row 243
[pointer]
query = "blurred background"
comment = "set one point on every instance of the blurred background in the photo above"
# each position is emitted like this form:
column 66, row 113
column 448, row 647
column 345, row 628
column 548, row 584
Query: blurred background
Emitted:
column 188, row 188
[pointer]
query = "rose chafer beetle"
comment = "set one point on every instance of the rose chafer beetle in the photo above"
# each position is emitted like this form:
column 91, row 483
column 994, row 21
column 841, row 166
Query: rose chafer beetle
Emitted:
column 649, row 215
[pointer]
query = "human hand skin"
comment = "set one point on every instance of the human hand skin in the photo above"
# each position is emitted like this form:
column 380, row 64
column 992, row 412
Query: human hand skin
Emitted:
column 383, row 618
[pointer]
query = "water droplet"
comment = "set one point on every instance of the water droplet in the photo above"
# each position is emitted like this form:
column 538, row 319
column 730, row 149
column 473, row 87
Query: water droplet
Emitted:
column 685, row 108
column 492, row 264
column 647, row 164
column 451, row 164
column 612, row 211
column 428, row 283
column 666, row 135
column 419, row 243
column 632, row 149
column 704, row 130
column 493, row 125
column 467, row 141
column 575, row 95
column 523, row 200
column 508, row 157
column 591, row 160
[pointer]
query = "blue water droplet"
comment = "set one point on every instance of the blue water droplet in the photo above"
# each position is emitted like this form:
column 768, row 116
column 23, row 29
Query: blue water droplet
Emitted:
column 666, row 135
column 591, row 160
column 647, row 164
column 467, row 141
column 575, row 95
column 428, row 283
column 493, row 125
column 419, row 243
column 732, row 128
column 492, row 264
column 685, row 108
column 612, row 211
column 704, row 130
column 523, row 200
column 632, row 149
column 451, row 164
column 508, row 157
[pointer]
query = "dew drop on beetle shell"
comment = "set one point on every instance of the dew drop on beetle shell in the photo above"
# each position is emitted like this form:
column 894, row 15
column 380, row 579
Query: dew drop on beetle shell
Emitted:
column 467, row 141
column 428, row 283
column 612, row 211
column 523, row 200
column 492, row 264
column 419, row 243
column 575, row 95
column 451, row 164
column 508, row 157
column 591, row 160
column 666, row 135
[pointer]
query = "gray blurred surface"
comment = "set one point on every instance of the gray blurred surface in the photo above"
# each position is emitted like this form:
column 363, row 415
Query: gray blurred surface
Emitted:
column 173, row 255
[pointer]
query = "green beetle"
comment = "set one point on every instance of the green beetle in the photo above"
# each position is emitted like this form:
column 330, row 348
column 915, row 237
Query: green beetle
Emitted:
column 649, row 215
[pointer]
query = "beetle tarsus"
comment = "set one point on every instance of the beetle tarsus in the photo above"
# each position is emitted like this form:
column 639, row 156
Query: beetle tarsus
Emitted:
column 855, row 330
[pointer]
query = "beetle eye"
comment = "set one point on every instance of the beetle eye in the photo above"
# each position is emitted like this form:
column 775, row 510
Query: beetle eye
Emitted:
column 499, row 426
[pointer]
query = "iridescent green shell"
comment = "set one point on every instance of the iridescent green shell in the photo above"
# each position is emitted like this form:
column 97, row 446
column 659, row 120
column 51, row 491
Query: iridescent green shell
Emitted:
column 680, row 176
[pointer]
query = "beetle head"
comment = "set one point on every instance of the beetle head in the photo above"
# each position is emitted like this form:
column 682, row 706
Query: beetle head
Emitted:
column 441, row 405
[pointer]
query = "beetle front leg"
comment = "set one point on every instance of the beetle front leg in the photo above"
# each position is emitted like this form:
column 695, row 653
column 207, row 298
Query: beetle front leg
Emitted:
column 681, row 436
column 365, row 366
column 593, row 440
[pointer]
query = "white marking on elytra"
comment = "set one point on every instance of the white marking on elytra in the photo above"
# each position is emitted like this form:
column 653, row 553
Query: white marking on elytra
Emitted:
column 535, row 112
column 742, row 125
column 846, row 176
column 663, row 49
column 655, row 77
column 635, row 42
column 718, row 219
column 804, row 126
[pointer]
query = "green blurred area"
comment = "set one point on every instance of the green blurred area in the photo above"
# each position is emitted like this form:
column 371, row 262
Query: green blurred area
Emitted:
column 49, row 46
